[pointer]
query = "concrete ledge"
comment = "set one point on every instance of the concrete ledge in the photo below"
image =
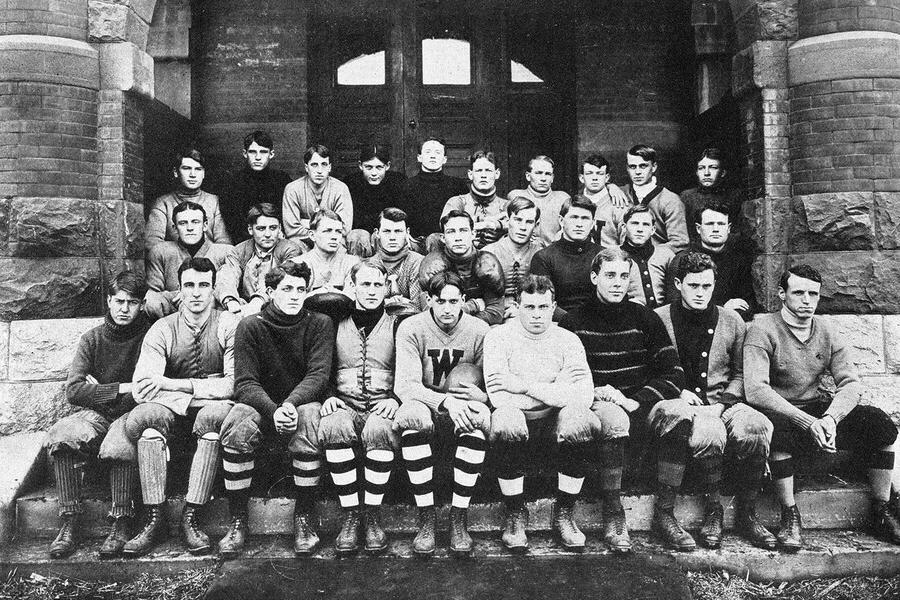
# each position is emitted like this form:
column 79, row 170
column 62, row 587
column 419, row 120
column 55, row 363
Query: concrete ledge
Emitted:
column 46, row 59
column 42, row 349
column 125, row 67
column 23, row 462
column 846, row 55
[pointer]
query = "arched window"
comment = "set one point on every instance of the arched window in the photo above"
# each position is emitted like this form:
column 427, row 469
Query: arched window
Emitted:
column 522, row 74
column 366, row 69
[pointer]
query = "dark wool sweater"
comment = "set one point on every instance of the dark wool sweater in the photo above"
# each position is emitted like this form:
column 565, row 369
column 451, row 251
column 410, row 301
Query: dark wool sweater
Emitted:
column 628, row 348
column 247, row 187
column 109, row 352
column 370, row 200
column 695, row 199
column 423, row 198
column 568, row 265
column 482, row 279
column 280, row 358
column 733, row 277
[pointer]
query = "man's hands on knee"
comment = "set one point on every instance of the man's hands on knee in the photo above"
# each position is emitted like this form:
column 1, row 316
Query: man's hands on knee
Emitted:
column 466, row 414
column 608, row 393
column 692, row 398
column 468, row 392
column 824, row 433
column 332, row 405
column 386, row 408
column 286, row 418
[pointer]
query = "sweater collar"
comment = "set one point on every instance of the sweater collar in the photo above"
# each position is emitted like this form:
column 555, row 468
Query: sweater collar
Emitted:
column 124, row 332
column 640, row 252
column 391, row 260
column 194, row 249
column 482, row 199
column 463, row 259
column 694, row 318
column 572, row 247
column 277, row 317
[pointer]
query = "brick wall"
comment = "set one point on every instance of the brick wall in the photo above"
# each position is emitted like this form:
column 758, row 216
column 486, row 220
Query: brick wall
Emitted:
column 164, row 131
column 818, row 17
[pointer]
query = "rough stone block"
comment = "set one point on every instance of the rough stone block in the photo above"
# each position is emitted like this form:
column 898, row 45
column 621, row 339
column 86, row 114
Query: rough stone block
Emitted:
column 764, row 20
column 847, row 55
column 121, row 229
column 849, row 281
column 865, row 336
column 842, row 221
column 4, row 350
column 43, row 349
column 884, row 392
column 767, row 268
column 5, row 203
column 885, row 282
column 52, row 227
column 112, row 22
column 49, row 288
column 126, row 67
column 887, row 219
column 31, row 406
column 762, row 65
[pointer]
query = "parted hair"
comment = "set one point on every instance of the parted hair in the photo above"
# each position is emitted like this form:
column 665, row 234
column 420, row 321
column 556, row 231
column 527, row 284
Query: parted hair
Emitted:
column 610, row 254
column 536, row 284
column 577, row 202
column 186, row 205
column 803, row 271
column 187, row 152
column 522, row 203
column 262, row 209
column 597, row 160
column 288, row 267
column 320, row 149
column 370, row 263
column 715, row 204
column 694, row 262
column 262, row 138
column 438, row 281
column 644, row 151
column 324, row 213
column 637, row 209
column 485, row 154
column 455, row 214
column 393, row 214
column 129, row 282
column 201, row 264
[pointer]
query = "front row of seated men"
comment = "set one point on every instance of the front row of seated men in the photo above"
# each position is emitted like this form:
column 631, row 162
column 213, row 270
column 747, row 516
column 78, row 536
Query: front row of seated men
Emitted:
column 374, row 394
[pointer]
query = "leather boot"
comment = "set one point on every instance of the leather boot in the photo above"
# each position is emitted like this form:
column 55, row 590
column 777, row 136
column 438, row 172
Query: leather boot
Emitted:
column 423, row 544
column 347, row 540
column 564, row 526
column 885, row 522
column 460, row 540
column 67, row 539
column 711, row 529
column 790, row 536
column 376, row 538
column 514, row 537
column 232, row 544
column 672, row 533
column 194, row 538
column 615, row 531
column 153, row 531
column 750, row 526
column 119, row 534
column 305, row 537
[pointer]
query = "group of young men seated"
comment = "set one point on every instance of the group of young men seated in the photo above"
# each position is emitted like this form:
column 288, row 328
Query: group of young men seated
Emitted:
column 538, row 328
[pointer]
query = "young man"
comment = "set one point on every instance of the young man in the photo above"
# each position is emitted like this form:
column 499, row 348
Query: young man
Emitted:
column 241, row 288
column 711, row 173
column 183, row 381
column 734, row 281
column 316, row 190
column 165, row 259
column 189, row 170
column 540, row 386
column 567, row 261
column 540, row 183
column 487, row 209
column 439, row 359
column 256, row 182
column 479, row 271
column 785, row 355
column 404, row 293
column 423, row 196
column 373, row 187
column 516, row 249
column 635, row 366
column 329, row 262
column 666, row 206
column 283, row 360
column 100, row 383
column 649, row 261
column 358, row 418
column 594, row 177
column 710, row 341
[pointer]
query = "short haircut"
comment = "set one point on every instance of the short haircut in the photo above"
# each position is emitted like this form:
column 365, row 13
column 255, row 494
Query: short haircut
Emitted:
column 485, row 154
column 610, row 254
column 201, row 264
column 803, row 271
column 262, row 138
column 324, row 213
column 577, row 202
column 294, row 269
column 542, row 157
column 712, row 153
column 186, row 205
column 522, row 203
column 438, row 281
column 374, row 150
column 393, row 214
column 715, row 204
column 636, row 210
column 694, row 262
column 455, row 214
column 536, row 284
column 371, row 263
column 596, row 160
column 319, row 149
column 644, row 151
column 187, row 152
column 262, row 209
column 433, row 138
column 129, row 282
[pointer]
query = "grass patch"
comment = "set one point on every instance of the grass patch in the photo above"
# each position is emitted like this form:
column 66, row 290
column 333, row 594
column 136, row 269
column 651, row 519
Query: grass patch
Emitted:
column 186, row 585
column 722, row 586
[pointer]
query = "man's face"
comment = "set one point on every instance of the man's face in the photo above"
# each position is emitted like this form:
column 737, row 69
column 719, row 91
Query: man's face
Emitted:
column 392, row 235
column 432, row 156
column 458, row 235
column 709, row 172
column 196, row 290
column 521, row 225
column 371, row 286
column 576, row 224
column 318, row 168
column 540, row 176
column 612, row 280
column 327, row 236
column 640, row 170
column 258, row 157
column 484, row 176
column 123, row 307
column 374, row 170
column 289, row 295
column 696, row 289
column 190, row 225
column 801, row 297
column 190, row 174
column 639, row 228
column 536, row 312
column 593, row 178
column 447, row 307
column 713, row 228
column 265, row 232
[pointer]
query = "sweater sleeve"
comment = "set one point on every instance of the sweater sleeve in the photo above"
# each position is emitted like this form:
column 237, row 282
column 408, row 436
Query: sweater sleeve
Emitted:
column 343, row 205
column 78, row 391
column 291, row 216
column 247, row 372
column 496, row 363
column 676, row 226
column 319, row 346
column 155, row 275
column 849, row 388
column 573, row 385
column 408, row 384
column 735, row 387
column 217, row 224
column 666, row 375
column 157, row 222
column 229, row 277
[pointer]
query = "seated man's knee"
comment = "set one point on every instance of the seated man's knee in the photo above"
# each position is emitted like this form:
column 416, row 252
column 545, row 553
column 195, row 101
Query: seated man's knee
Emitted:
column 413, row 416
column 707, row 437
column 577, row 425
column 508, row 425
column 749, row 431
column 79, row 432
column 116, row 445
column 613, row 419
column 211, row 417
column 668, row 414
column 240, row 431
column 337, row 429
column 306, row 439
column 880, row 429
column 148, row 416
column 378, row 434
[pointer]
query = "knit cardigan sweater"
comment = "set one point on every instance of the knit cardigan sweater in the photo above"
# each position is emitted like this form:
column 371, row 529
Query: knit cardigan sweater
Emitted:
column 668, row 214
column 647, row 281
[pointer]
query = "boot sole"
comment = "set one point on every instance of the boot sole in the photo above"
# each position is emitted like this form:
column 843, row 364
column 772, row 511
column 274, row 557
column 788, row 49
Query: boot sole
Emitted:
column 424, row 553
column 460, row 553
column 516, row 549
column 619, row 549
column 344, row 552
column 64, row 554
column 199, row 551
column 108, row 555
column 376, row 549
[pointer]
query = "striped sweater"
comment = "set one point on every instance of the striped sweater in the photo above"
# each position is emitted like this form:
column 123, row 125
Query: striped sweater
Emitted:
column 628, row 348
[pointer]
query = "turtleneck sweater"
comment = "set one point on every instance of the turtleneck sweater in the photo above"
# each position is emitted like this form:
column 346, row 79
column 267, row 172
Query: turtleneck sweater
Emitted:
column 647, row 281
column 403, row 273
column 247, row 187
column 423, row 197
column 733, row 276
column 369, row 200
column 568, row 265
column 282, row 358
